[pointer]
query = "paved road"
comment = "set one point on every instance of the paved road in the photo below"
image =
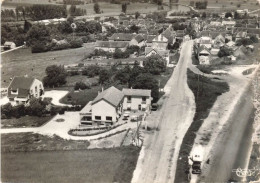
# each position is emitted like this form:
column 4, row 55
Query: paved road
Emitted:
column 161, row 151
column 233, row 147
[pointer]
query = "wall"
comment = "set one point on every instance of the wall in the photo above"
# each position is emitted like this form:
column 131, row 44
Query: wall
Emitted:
column 103, row 109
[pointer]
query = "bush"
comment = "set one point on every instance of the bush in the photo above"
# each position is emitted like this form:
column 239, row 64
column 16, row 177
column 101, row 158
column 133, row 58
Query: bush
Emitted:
column 73, row 73
column 81, row 86
column 76, row 43
column 38, row 47
column 91, row 71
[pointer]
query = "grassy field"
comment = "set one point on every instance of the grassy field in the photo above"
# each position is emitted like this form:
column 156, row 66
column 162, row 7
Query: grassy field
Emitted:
column 81, row 166
column 206, row 92
column 21, row 62
column 25, row 121
column 27, row 142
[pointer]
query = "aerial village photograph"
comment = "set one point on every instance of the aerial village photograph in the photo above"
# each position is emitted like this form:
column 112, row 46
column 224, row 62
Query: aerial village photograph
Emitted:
column 130, row 91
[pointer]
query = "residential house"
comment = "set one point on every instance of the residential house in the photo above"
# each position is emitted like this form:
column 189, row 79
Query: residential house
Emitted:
column 240, row 51
column 9, row 45
column 160, row 42
column 21, row 89
column 105, row 109
column 179, row 35
column 165, row 54
column 111, row 46
column 203, row 55
column 121, row 37
column 108, row 106
column 240, row 35
column 219, row 41
column 170, row 34
column 206, row 41
column 229, row 25
column 137, row 99
column 138, row 40
column 214, row 52
column 231, row 44
column 149, row 40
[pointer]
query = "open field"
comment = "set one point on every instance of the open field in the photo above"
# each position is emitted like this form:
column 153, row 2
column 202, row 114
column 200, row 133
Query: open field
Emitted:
column 25, row 121
column 206, row 92
column 96, row 165
column 16, row 142
column 21, row 62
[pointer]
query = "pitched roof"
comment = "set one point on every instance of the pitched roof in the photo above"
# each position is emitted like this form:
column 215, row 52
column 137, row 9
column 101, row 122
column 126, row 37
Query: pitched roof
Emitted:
column 111, row 95
column 112, row 44
column 136, row 92
column 160, row 38
column 121, row 37
column 150, row 38
column 203, row 47
column 162, row 53
column 139, row 38
column 21, row 83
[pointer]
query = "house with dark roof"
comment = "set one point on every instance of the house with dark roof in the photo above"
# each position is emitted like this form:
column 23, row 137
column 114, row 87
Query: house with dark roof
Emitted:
column 241, row 35
column 137, row 99
column 160, row 42
column 165, row 54
column 108, row 106
column 170, row 34
column 111, row 46
column 21, row 89
column 138, row 40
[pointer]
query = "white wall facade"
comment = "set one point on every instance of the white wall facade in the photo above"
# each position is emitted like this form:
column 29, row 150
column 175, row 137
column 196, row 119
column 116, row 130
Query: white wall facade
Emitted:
column 136, row 103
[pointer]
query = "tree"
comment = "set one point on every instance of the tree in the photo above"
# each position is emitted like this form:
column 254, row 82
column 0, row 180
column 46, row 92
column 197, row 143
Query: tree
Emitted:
column 6, row 110
column 244, row 42
column 137, row 15
column 154, row 64
column 147, row 81
column 81, row 86
column 228, row 14
column 37, row 107
column 124, row 7
column 236, row 15
column 123, row 75
column 204, row 15
column 254, row 39
column 77, row 43
column 134, row 29
column 27, row 25
column 91, row 71
column 56, row 76
column 104, row 76
column 96, row 8
column 224, row 52
column 38, row 33
column 238, row 5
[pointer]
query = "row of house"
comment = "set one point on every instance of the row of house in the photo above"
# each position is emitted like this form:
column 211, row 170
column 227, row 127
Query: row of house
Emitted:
column 110, row 104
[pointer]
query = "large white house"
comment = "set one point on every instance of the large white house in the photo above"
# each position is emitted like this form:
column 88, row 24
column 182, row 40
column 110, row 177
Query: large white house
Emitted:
column 137, row 99
column 21, row 89
column 108, row 106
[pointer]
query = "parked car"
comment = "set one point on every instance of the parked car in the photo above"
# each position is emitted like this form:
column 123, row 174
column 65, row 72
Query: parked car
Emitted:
column 126, row 115
column 154, row 106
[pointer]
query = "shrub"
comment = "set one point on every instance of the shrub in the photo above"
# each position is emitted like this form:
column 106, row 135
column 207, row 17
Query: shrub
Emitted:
column 91, row 71
column 76, row 43
column 38, row 47
column 81, row 86
column 73, row 73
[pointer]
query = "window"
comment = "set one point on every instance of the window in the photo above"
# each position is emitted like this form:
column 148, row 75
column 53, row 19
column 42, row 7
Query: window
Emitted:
column 129, row 99
column 35, row 89
column 97, row 117
column 108, row 118
column 143, row 100
column 86, row 118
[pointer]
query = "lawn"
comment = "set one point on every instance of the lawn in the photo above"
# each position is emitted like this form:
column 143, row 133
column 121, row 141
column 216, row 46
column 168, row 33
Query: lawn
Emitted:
column 17, row 142
column 21, row 62
column 25, row 121
column 206, row 92
column 81, row 166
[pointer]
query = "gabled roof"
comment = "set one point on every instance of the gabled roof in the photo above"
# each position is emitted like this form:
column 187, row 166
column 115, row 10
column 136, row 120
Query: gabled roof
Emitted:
column 241, row 34
column 160, row 38
column 202, row 48
column 162, row 53
column 112, row 44
column 150, row 38
column 121, row 37
column 136, row 92
column 21, row 83
column 139, row 38
column 111, row 95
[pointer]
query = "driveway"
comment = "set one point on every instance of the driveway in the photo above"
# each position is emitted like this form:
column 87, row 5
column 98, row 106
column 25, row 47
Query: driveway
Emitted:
column 71, row 121
column 56, row 95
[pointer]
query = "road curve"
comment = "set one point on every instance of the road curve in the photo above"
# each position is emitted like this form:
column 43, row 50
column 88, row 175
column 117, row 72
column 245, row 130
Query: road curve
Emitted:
column 158, row 163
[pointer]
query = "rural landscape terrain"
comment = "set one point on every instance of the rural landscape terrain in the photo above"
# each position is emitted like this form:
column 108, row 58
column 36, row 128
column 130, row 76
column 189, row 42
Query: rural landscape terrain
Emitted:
column 134, row 91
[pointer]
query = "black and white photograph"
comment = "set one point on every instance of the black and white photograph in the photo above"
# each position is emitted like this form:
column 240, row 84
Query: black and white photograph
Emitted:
column 130, row 91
